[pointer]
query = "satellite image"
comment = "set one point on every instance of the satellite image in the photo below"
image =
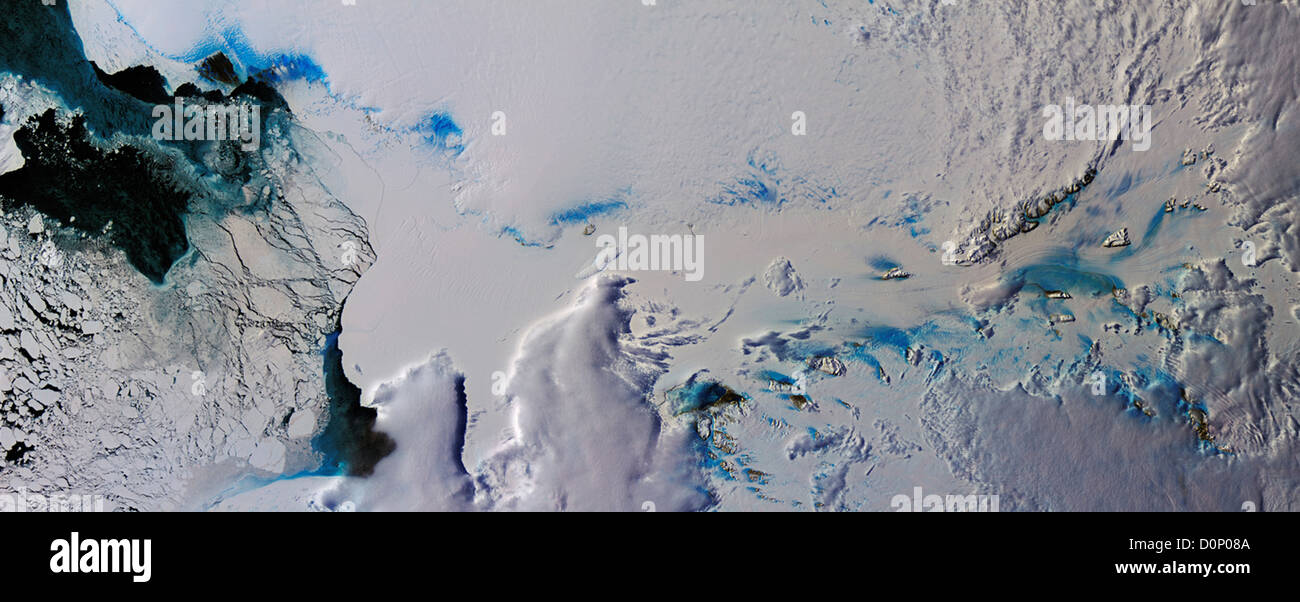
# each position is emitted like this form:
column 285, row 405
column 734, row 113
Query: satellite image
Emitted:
column 648, row 256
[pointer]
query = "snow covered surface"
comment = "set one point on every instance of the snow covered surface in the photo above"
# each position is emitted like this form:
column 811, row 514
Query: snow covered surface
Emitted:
column 512, row 374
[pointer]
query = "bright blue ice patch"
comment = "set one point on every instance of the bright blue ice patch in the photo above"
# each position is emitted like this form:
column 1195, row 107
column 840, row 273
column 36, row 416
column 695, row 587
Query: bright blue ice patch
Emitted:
column 1067, row 273
column 274, row 67
column 247, row 60
column 583, row 213
column 862, row 355
column 882, row 263
column 514, row 233
column 889, row 337
column 747, row 191
column 287, row 67
column 764, row 185
column 773, row 375
column 440, row 130
column 230, row 41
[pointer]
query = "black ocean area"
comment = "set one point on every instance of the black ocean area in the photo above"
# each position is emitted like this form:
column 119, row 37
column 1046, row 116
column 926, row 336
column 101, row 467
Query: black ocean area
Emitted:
column 122, row 193
column 72, row 174
column 67, row 175
column 349, row 442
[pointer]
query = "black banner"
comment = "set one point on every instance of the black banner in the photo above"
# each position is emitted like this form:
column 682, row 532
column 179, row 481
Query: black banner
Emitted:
column 317, row 551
